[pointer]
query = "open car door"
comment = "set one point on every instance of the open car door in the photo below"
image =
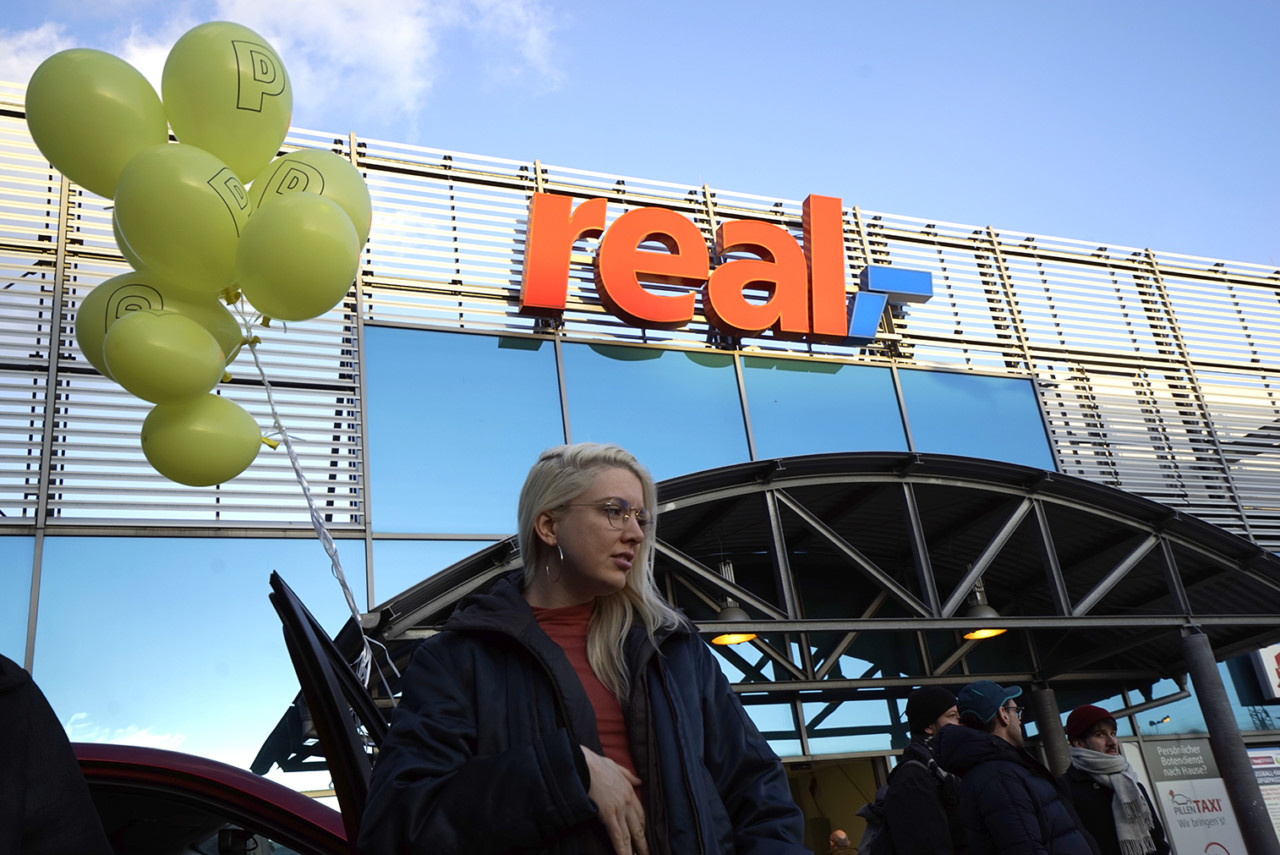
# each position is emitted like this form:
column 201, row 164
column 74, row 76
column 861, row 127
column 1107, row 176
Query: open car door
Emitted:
column 347, row 721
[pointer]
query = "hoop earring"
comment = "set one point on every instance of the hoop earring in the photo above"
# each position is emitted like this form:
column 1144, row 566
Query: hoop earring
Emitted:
column 546, row 567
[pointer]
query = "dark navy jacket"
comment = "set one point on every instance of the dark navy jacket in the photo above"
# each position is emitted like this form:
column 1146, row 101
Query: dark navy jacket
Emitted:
column 1011, row 804
column 1093, row 804
column 45, row 806
column 483, row 752
column 922, row 812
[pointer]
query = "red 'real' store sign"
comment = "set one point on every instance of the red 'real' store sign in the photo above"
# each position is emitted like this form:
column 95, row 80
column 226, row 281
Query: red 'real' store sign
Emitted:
column 806, row 286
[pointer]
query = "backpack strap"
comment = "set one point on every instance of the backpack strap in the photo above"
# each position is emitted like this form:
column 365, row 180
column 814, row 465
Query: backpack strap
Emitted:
column 941, row 774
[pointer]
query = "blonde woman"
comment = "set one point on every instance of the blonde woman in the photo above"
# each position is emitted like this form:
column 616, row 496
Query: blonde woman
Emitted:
column 568, row 708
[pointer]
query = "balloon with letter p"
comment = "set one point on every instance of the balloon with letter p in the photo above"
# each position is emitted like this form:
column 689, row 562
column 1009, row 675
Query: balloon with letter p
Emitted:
column 181, row 211
column 313, row 170
column 142, row 290
column 225, row 90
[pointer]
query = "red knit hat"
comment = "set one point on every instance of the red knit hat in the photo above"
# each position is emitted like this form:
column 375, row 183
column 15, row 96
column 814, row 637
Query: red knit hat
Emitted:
column 1084, row 717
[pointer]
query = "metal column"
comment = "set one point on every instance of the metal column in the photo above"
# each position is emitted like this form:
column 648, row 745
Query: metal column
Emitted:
column 1044, row 706
column 1228, row 746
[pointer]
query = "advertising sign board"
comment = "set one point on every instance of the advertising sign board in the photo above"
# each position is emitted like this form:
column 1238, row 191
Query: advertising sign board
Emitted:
column 1266, row 662
column 1193, row 798
column 1266, row 765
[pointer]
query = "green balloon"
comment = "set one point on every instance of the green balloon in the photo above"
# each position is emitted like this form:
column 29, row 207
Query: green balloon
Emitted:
column 181, row 212
column 297, row 257
column 89, row 113
column 142, row 290
column 313, row 170
column 202, row 442
column 123, row 245
column 163, row 357
column 225, row 90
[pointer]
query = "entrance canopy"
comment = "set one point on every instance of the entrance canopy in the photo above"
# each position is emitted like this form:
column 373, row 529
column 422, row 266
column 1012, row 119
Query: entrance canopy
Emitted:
column 857, row 572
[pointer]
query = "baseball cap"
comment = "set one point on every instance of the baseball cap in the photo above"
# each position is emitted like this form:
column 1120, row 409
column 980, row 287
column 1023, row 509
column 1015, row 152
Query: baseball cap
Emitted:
column 982, row 698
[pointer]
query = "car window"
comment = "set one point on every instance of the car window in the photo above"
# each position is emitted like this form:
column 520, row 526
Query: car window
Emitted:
column 148, row 821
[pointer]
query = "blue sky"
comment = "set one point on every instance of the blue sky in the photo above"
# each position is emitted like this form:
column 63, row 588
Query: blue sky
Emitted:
column 1146, row 124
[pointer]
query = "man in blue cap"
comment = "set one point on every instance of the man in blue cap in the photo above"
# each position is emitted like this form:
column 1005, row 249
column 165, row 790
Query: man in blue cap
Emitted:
column 1009, row 801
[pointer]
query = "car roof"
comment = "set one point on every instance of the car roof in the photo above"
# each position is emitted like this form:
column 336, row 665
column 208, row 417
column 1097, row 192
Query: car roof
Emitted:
column 204, row 778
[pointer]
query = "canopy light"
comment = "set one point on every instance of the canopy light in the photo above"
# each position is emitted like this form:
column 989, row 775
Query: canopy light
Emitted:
column 983, row 615
column 737, row 615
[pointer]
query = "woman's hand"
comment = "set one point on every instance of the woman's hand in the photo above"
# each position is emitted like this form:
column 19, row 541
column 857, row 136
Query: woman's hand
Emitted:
column 613, row 791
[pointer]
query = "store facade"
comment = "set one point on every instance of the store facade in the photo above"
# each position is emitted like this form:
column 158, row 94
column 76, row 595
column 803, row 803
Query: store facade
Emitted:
column 984, row 362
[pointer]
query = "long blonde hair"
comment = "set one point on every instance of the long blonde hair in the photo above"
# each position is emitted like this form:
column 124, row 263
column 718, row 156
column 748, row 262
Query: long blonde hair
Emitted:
column 561, row 475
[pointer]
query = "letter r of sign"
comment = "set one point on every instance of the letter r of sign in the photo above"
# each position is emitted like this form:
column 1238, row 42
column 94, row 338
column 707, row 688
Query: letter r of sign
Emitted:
column 877, row 286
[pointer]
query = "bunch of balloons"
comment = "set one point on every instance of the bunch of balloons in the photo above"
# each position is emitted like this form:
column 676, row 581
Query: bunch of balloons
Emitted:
column 198, row 238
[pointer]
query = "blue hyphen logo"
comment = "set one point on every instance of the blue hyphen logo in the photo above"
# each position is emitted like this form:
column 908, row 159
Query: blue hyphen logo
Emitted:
column 878, row 286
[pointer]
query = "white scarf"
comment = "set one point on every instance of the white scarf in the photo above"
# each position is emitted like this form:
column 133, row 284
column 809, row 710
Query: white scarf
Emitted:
column 1128, row 806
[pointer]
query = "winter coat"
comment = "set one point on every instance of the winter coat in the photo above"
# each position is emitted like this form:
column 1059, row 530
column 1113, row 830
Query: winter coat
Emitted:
column 45, row 806
column 483, row 750
column 1093, row 804
column 1011, row 803
column 922, row 812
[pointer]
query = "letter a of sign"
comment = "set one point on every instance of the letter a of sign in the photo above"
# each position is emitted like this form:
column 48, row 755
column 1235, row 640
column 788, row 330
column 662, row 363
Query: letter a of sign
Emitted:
column 780, row 270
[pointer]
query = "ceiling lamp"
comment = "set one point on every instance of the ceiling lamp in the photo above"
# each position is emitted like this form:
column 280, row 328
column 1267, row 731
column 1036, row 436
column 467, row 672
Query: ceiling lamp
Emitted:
column 737, row 615
column 983, row 615
column 731, row 611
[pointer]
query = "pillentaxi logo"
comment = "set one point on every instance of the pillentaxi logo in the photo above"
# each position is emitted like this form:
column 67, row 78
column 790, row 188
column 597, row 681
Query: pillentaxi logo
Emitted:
column 807, row 298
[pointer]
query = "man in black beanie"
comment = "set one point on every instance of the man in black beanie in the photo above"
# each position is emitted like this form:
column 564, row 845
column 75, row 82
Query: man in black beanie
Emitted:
column 922, row 804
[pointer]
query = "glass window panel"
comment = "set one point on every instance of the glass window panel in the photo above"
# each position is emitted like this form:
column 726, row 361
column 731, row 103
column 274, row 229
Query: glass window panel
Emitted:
column 15, row 595
column 1185, row 716
column 677, row 412
column 455, row 422
column 742, row 663
column 173, row 643
column 776, row 722
column 400, row 564
column 997, row 418
column 852, row 726
column 808, row 407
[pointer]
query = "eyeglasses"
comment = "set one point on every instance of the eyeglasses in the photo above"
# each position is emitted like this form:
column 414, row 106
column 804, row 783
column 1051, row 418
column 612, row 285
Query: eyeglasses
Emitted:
column 1014, row 711
column 619, row 512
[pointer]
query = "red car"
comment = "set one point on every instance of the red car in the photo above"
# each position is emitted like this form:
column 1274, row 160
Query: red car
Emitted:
column 164, row 801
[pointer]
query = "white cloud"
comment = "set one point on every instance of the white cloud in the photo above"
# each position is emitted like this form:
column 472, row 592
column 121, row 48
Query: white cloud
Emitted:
column 357, row 60
column 145, row 48
column 527, row 27
column 366, row 66
column 80, row 728
column 22, row 52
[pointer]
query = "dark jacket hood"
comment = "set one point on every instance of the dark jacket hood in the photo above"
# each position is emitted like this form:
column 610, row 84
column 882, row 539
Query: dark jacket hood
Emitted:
column 497, row 607
column 12, row 675
column 500, row 607
column 960, row 748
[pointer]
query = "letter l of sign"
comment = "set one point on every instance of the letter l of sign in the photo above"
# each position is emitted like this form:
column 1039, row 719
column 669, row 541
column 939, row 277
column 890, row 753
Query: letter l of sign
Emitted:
column 823, row 225
column 877, row 286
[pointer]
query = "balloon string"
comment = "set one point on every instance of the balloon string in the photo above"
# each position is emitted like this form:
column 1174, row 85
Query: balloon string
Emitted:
column 365, row 662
